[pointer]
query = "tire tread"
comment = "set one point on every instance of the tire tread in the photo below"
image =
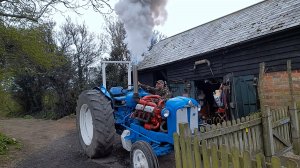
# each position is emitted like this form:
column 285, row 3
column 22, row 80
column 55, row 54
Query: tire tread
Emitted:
column 103, row 121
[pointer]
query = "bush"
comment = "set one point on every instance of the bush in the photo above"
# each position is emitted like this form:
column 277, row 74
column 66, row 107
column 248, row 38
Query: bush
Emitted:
column 5, row 142
column 8, row 106
column 28, row 117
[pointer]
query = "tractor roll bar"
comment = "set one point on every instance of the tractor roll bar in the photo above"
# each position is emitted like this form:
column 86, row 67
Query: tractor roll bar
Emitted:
column 103, row 65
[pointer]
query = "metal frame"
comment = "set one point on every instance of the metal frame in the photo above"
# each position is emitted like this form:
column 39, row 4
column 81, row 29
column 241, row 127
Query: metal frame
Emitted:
column 103, row 65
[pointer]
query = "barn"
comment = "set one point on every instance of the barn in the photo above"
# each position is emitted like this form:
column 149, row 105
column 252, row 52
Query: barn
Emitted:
column 224, row 54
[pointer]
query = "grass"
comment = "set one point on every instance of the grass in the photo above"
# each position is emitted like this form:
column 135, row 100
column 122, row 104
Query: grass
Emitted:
column 6, row 142
column 28, row 117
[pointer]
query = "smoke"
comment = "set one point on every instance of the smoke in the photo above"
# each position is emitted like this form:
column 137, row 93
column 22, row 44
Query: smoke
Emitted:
column 139, row 18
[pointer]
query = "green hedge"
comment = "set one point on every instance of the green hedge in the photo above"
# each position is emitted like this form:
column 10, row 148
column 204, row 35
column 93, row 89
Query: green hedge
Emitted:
column 8, row 106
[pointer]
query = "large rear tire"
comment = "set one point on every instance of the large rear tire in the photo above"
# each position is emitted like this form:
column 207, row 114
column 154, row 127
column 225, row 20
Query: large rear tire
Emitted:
column 95, row 123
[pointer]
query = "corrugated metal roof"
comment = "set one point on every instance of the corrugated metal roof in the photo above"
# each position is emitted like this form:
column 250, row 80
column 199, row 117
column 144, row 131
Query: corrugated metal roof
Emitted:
column 263, row 18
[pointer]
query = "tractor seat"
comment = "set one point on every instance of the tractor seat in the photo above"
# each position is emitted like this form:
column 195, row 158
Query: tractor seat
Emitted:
column 117, row 91
column 120, row 98
column 119, row 95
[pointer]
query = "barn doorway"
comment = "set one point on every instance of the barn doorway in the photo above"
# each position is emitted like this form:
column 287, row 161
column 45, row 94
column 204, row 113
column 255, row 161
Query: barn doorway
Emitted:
column 228, row 97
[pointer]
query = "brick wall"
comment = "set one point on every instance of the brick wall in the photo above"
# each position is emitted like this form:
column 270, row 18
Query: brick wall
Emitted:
column 276, row 91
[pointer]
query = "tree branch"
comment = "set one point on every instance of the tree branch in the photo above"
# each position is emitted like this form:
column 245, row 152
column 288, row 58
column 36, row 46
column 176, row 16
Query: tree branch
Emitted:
column 19, row 16
column 43, row 10
column 33, row 10
column 97, row 4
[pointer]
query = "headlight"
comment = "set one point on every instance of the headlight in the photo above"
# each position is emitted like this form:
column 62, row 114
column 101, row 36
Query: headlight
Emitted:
column 165, row 113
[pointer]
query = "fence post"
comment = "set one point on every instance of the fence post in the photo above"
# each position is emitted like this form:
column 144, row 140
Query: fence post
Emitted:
column 186, row 146
column 295, row 128
column 261, row 84
column 289, row 70
column 182, row 135
column 267, row 133
column 177, row 150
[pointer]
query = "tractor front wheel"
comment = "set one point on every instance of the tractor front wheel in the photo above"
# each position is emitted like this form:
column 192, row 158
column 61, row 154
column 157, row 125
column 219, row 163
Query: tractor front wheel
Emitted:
column 142, row 156
column 95, row 123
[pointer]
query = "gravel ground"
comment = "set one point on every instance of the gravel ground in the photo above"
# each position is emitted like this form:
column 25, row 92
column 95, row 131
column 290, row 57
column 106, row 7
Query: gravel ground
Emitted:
column 54, row 144
column 66, row 153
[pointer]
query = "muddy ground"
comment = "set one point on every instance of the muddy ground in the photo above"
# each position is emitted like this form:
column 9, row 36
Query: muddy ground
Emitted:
column 52, row 144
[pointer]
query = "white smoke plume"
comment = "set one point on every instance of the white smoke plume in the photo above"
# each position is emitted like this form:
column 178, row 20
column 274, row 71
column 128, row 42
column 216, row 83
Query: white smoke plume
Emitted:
column 139, row 18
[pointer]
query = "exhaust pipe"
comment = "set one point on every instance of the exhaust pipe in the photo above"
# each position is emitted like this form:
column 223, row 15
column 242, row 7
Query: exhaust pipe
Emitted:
column 135, row 82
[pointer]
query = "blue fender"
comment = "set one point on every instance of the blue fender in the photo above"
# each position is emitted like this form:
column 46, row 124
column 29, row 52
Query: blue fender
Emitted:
column 104, row 91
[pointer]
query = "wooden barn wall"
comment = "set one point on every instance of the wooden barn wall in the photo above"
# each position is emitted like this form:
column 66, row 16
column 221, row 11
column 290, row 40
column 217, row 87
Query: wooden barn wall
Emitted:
column 242, row 59
column 146, row 77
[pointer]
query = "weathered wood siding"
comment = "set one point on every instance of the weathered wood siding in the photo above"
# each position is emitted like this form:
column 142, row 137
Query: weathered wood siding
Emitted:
column 240, row 59
column 146, row 78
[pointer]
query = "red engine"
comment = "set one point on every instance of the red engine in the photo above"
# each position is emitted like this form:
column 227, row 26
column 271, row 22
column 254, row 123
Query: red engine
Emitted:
column 148, row 110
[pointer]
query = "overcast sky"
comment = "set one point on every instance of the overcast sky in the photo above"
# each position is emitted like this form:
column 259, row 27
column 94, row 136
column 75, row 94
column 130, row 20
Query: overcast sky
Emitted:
column 182, row 14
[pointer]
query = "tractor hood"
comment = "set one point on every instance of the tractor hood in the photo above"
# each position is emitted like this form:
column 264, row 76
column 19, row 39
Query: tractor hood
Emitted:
column 176, row 103
column 181, row 110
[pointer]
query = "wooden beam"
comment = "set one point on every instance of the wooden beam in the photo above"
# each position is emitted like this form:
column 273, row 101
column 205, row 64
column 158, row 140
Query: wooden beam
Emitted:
column 277, row 136
column 281, row 122
column 283, row 151
column 231, row 129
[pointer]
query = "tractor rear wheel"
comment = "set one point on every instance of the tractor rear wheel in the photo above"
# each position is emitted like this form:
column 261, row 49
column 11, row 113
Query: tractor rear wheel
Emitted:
column 95, row 123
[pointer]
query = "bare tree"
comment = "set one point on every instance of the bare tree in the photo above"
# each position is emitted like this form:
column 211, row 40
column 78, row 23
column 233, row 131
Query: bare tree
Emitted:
column 155, row 38
column 33, row 10
column 82, row 47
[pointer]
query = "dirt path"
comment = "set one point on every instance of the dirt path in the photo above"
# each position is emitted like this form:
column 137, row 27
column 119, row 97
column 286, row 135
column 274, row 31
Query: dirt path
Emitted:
column 33, row 134
column 54, row 144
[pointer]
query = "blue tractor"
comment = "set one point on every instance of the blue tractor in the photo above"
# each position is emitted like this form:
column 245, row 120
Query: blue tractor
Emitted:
column 145, row 122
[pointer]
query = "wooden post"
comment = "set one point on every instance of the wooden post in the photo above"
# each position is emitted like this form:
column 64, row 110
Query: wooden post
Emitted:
column 261, row 84
column 275, row 161
column 214, row 156
column 235, row 158
column 260, row 161
column 246, row 160
column 182, row 145
column 177, row 151
column 289, row 70
column 224, row 156
column 186, row 145
column 205, row 156
column 197, row 154
column 291, row 164
column 267, row 133
column 295, row 128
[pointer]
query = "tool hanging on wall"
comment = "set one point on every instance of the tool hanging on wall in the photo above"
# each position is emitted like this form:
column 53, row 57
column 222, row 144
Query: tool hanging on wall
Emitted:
column 204, row 61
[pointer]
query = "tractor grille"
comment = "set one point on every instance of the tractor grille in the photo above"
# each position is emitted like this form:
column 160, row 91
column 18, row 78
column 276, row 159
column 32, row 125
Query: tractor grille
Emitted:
column 187, row 115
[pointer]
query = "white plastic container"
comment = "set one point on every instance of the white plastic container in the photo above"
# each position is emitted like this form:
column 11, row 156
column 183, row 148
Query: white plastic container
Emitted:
column 126, row 143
